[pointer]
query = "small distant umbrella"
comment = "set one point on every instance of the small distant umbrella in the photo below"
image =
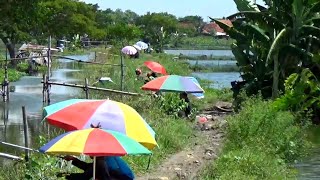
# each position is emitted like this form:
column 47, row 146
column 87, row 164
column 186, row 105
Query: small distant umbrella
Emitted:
column 137, row 47
column 155, row 67
column 142, row 45
column 129, row 50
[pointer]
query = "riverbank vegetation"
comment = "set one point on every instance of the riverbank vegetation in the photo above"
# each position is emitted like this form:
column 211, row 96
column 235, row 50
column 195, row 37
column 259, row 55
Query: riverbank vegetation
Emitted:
column 205, row 57
column 201, row 42
column 280, row 75
column 262, row 142
column 214, row 68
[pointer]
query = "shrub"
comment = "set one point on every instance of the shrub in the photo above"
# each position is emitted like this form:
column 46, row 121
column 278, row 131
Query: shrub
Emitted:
column 260, row 140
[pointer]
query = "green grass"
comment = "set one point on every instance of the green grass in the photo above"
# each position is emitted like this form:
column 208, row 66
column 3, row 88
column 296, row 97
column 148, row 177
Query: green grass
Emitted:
column 223, row 68
column 205, row 57
column 13, row 75
column 260, row 143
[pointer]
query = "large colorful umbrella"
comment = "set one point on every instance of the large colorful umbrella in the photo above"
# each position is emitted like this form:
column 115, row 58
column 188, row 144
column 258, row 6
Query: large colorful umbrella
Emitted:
column 155, row 67
column 94, row 142
column 129, row 50
column 173, row 83
column 142, row 45
column 76, row 114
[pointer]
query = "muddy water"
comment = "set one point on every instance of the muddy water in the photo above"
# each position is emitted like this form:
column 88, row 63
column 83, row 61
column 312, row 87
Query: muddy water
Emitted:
column 28, row 93
column 308, row 168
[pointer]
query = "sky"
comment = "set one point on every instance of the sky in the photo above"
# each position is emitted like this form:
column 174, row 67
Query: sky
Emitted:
column 179, row 8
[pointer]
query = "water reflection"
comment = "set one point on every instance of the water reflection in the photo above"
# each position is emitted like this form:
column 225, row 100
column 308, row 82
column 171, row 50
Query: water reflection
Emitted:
column 28, row 92
column 309, row 167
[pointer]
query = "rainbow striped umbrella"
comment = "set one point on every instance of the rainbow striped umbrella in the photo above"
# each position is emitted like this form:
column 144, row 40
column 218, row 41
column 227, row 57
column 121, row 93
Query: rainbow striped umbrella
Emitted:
column 173, row 83
column 94, row 142
column 76, row 114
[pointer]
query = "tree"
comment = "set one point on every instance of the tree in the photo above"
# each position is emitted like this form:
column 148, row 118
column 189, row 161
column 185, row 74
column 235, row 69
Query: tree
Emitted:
column 158, row 27
column 66, row 18
column 196, row 21
column 122, row 33
column 109, row 17
column 17, row 19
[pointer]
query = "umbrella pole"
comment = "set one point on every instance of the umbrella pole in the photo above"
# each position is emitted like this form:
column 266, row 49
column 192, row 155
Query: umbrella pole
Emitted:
column 149, row 162
column 94, row 168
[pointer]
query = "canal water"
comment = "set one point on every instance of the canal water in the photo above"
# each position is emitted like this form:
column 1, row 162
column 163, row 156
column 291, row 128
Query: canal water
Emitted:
column 308, row 168
column 28, row 93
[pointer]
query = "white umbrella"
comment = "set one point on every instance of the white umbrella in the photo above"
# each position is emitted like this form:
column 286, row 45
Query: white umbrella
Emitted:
column 129, row 50
column 137, row 47
column 142, row 45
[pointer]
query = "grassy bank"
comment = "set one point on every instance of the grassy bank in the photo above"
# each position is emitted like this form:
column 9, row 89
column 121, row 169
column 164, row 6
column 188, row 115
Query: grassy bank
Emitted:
column 261, row 142
column 205, row 57
column 173, row 133
column 202, row 42
column 223, row 68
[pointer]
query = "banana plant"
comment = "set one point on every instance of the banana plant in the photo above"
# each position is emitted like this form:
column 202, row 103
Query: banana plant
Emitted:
column 274, row 42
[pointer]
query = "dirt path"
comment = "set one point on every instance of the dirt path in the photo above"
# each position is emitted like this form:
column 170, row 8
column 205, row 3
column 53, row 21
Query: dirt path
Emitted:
column 188, row 163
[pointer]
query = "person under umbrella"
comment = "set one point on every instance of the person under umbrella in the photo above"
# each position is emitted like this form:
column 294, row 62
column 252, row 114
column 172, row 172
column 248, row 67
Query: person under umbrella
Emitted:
column 102, row 172
column 185, row 98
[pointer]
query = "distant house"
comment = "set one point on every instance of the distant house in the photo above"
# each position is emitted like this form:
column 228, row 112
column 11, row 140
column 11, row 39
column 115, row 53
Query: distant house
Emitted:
column 214, row 29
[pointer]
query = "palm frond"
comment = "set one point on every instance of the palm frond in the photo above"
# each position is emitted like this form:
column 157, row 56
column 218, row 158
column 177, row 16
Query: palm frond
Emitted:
column 277, row 43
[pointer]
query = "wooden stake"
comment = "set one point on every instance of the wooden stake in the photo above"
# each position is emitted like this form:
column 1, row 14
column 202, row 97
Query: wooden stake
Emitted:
column 122, row 73
column 25, row 130
column 44, row 88
column 86, row 89
column 49, row 67
column 5, row 84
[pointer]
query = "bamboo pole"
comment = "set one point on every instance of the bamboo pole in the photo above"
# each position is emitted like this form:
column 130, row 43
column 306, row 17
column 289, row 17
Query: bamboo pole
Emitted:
column 44, row 90
column 5, row 81
column 49, row 67
column 81, row 61
column 17, row 146
column 122, row 73
column 9, row 156
column 25, row 131
column 94, row 88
